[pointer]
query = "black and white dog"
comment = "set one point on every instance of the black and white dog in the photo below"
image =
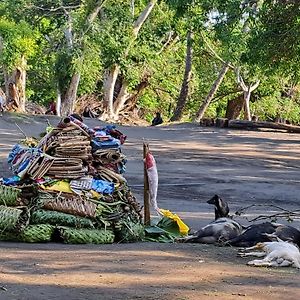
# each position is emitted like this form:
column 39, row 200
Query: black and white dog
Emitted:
column 224, row 230
column 220, row 230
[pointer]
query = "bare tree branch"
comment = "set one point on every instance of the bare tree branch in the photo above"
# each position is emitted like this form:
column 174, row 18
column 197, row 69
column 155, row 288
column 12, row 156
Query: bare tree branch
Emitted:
column 282, row 212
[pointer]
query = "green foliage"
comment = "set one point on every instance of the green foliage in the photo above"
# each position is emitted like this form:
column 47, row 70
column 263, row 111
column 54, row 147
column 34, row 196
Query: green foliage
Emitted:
column 18, row 40
column 262, row 38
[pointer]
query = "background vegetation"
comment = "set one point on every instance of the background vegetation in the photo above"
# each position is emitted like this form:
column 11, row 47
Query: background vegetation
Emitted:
column 61, row 43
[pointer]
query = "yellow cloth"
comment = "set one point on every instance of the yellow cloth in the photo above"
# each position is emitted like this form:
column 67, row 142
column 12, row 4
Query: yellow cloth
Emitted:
column 59, row 186
column 63, row 186
column 183, row 228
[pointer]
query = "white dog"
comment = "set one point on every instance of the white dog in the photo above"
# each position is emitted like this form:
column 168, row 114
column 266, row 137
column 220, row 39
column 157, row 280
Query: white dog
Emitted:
column 277, row 254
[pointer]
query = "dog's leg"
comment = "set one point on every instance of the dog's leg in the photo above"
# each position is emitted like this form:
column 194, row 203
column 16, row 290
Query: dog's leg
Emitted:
column 256, row 254
column 259, row 263
column 249, row 248
column 285, row 263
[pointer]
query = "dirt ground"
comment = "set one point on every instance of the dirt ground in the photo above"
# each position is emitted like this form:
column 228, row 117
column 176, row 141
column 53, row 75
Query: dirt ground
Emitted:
column 194, row 163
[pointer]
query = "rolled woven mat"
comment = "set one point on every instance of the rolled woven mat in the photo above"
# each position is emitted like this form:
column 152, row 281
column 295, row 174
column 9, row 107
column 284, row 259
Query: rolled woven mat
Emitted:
column 72, row 142
column 40, row 166
column 40, row 233
column 85, row 236
column 64, row 175
column 109, row 175
column 73, row 205
column 67, row 161
column 66, row 168
column 13, row 219
column 42, row 216
column 108, row 156
column 9, row 196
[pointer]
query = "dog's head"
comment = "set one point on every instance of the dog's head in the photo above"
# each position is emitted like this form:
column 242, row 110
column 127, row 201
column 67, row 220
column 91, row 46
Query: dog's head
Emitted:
column 221, row 206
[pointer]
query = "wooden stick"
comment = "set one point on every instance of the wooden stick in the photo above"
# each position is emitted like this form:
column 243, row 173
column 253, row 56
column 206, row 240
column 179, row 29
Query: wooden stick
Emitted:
column 146, row 187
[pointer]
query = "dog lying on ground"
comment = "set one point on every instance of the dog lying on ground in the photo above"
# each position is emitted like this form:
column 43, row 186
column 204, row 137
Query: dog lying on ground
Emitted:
column 226, row 231
column 262, row 233
column 276, row 254
column 220, row 230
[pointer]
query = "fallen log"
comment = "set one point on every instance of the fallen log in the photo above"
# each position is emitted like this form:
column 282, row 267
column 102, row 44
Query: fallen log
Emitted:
column 244, row 124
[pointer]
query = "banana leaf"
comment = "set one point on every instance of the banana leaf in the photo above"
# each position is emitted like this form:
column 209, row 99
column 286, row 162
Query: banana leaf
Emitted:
column 128, row 230
column 165, row 230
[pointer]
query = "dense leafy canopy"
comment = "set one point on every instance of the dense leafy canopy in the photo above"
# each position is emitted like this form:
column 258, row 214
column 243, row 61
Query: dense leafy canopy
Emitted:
column 259, row 37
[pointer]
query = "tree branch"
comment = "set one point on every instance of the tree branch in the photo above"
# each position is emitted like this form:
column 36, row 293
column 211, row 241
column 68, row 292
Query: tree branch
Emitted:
column 214, row 53
column 240, row 80
column 93, row 15
column 284, row 213
column 142, row 18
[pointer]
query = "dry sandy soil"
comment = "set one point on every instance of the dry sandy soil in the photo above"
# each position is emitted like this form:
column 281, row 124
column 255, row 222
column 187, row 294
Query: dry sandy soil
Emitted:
column 194, row 163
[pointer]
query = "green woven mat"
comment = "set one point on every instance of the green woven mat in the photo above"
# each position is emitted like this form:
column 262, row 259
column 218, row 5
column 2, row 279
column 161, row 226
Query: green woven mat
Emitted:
column 37, row 233
column 58, row 218
column 86, row 236
column 31, row 234
column 9, row 195
column 13, row 219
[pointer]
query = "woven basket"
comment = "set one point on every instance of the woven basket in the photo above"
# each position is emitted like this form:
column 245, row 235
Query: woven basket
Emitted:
column 58, row 218
column 73, row 205
column 37, row 233
column 9, row 196
column 85, row 236
column 13, row 219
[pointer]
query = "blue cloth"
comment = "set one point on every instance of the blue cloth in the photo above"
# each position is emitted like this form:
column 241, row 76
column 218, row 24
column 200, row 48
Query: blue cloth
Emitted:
column 102, row 186
column 11, row 180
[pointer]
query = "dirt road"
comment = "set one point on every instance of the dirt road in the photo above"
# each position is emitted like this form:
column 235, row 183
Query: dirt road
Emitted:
column 194, row 163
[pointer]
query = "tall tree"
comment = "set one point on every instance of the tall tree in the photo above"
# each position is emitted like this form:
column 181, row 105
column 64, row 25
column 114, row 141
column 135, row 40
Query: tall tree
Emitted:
column 182, row 99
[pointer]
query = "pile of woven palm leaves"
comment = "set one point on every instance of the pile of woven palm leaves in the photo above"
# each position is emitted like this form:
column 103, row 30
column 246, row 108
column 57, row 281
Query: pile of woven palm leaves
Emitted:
column 70, row 188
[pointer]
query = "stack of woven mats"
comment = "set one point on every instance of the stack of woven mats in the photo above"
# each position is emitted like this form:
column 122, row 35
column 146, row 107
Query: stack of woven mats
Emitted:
column 82, row 198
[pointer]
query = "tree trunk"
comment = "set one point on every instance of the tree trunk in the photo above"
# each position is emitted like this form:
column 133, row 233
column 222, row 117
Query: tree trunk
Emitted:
column 121, row 99
column 58, row 102
column 245, row 124
column 212, row 92
column 109, row 86
column 234, row 107
column 111, row 75
column 70, row 96
column 186, row 79
column 247, row 96
column 20, row 81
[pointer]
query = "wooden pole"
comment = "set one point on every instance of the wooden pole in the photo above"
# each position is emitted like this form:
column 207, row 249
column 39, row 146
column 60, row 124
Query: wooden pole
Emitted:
column 146, row 187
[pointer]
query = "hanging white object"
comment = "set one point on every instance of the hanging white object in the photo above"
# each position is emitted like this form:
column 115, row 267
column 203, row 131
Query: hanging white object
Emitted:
column 152, row 179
